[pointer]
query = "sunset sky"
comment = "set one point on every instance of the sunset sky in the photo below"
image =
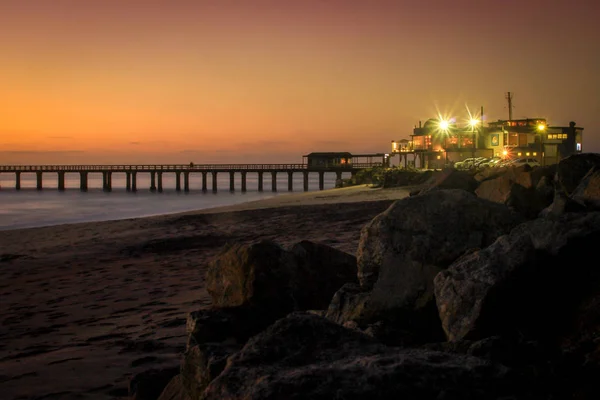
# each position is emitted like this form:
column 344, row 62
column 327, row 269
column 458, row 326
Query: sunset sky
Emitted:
column 146, row 81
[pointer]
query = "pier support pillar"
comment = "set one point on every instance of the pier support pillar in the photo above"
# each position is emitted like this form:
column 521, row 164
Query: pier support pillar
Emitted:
column 178, row 181
column 159, row 179
column 83, row 181
column 274, row 181
column 321, row 180
column 152, row 181
column 61, row 180
column 243, row 181
column 204, row 181
column 18, row 180
column 214, row 181
column 128, row 181
column 260, row 181
column 134, row 181
column 231, row 181
column 305, row 173
column 39, row 180
column 338, row 179
column 107, row 181
column 186, row 181
column 290, row 181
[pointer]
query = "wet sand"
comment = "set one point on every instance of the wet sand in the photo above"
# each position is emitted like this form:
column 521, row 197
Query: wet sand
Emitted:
column 87, row 306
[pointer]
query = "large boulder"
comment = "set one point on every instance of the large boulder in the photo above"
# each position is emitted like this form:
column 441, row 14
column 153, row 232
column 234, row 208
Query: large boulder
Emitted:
column 148, row 385
column 529, row 281
column 571, row 170
column 404, row 248
column 587, row 193
column 451, row 178
column 348, row 304
column 320, row 271
column 308, row 357
column 524, row 189
column 264, row 275
column 575, row 185
column 256, row 274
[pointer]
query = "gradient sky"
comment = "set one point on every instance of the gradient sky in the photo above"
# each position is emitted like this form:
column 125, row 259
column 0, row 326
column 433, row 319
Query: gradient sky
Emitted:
column 147, row 81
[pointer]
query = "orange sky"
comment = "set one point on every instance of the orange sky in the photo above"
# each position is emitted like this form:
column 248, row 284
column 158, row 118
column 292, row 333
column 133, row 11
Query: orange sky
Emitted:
column 267, row 81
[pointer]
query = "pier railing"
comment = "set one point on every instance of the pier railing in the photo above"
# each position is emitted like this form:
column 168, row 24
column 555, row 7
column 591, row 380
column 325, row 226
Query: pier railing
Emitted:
column 180, row 167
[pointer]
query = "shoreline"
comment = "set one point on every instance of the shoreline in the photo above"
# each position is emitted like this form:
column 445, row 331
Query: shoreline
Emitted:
column 334, row 195
column 109, row 299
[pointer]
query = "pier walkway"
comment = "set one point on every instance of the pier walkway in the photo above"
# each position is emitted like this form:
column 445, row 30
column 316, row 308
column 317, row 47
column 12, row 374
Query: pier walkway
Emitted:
column 181, row 170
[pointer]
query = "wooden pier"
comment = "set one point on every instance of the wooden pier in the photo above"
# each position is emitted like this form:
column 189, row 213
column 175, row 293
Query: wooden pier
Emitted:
column 156, row 174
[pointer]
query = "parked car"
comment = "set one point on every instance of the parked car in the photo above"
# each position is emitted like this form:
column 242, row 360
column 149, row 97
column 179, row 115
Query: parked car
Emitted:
column 465, row 164
column 532, row 162
column 491, row 163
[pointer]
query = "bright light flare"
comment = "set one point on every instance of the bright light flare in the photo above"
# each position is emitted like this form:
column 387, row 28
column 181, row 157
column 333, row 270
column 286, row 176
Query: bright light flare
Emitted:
column 473, row 122
column 444, row 125
column 541, row 127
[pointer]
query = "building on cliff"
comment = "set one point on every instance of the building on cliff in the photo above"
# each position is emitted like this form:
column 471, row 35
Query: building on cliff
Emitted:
column 438, row 143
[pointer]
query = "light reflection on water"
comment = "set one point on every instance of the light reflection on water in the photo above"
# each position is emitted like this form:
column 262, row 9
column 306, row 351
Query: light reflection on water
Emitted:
column 30, row 207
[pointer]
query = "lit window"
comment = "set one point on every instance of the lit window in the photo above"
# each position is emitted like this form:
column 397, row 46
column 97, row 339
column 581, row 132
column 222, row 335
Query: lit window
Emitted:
column 534, row 153
column 578, row 146
column 519, row 154
column 527, row 154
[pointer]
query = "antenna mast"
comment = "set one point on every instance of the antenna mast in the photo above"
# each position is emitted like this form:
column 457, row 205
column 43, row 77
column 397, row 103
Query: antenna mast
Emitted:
column 509, row 97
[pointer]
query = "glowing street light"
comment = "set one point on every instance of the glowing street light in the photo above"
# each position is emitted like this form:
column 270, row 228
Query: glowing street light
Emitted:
column 541, row 127
column 444, row 125
column 473, row 122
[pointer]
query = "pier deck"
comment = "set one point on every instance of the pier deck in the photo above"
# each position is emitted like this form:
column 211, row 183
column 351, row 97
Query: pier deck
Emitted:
column 156, row 173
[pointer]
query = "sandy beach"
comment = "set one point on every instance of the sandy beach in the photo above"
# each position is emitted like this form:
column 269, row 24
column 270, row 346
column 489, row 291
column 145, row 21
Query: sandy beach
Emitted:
column 87, row 306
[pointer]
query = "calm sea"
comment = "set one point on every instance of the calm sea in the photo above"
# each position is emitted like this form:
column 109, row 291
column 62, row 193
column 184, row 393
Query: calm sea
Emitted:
column 29, row 207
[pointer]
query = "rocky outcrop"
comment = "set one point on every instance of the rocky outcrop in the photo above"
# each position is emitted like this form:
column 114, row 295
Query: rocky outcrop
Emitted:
column 252, row 286
column 529, row 281
column 403, row 249
column 451, row 178
column 265, row 275
column 308, row 357
column 524, row 189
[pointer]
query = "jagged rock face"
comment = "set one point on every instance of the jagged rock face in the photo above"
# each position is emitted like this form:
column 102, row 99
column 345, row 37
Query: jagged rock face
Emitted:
column 251, row 275
column 587, row 193
column 264, row 275
column 451, row 178
column 529, row 281
column 308, row 357
column 320, row 271
column 524, row 189
column 576, row 185
column 348, row 304
column 148, row 385
column 571, row 170
column 403, row 249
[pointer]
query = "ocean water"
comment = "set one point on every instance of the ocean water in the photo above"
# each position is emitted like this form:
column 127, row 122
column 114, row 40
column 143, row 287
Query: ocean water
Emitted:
column 29, row 207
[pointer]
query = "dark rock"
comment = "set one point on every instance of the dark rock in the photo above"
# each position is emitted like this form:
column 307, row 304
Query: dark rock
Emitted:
column 265, row 276
column 587, row 193
column 202, row 363
column 528, row 282
column 451, row 178
column 320, row 271
column 402, row 250
column 307, row 357
column 174, row 390
column 348, row 304
column 257, row 274
column 571, row 170
column 148, row 385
